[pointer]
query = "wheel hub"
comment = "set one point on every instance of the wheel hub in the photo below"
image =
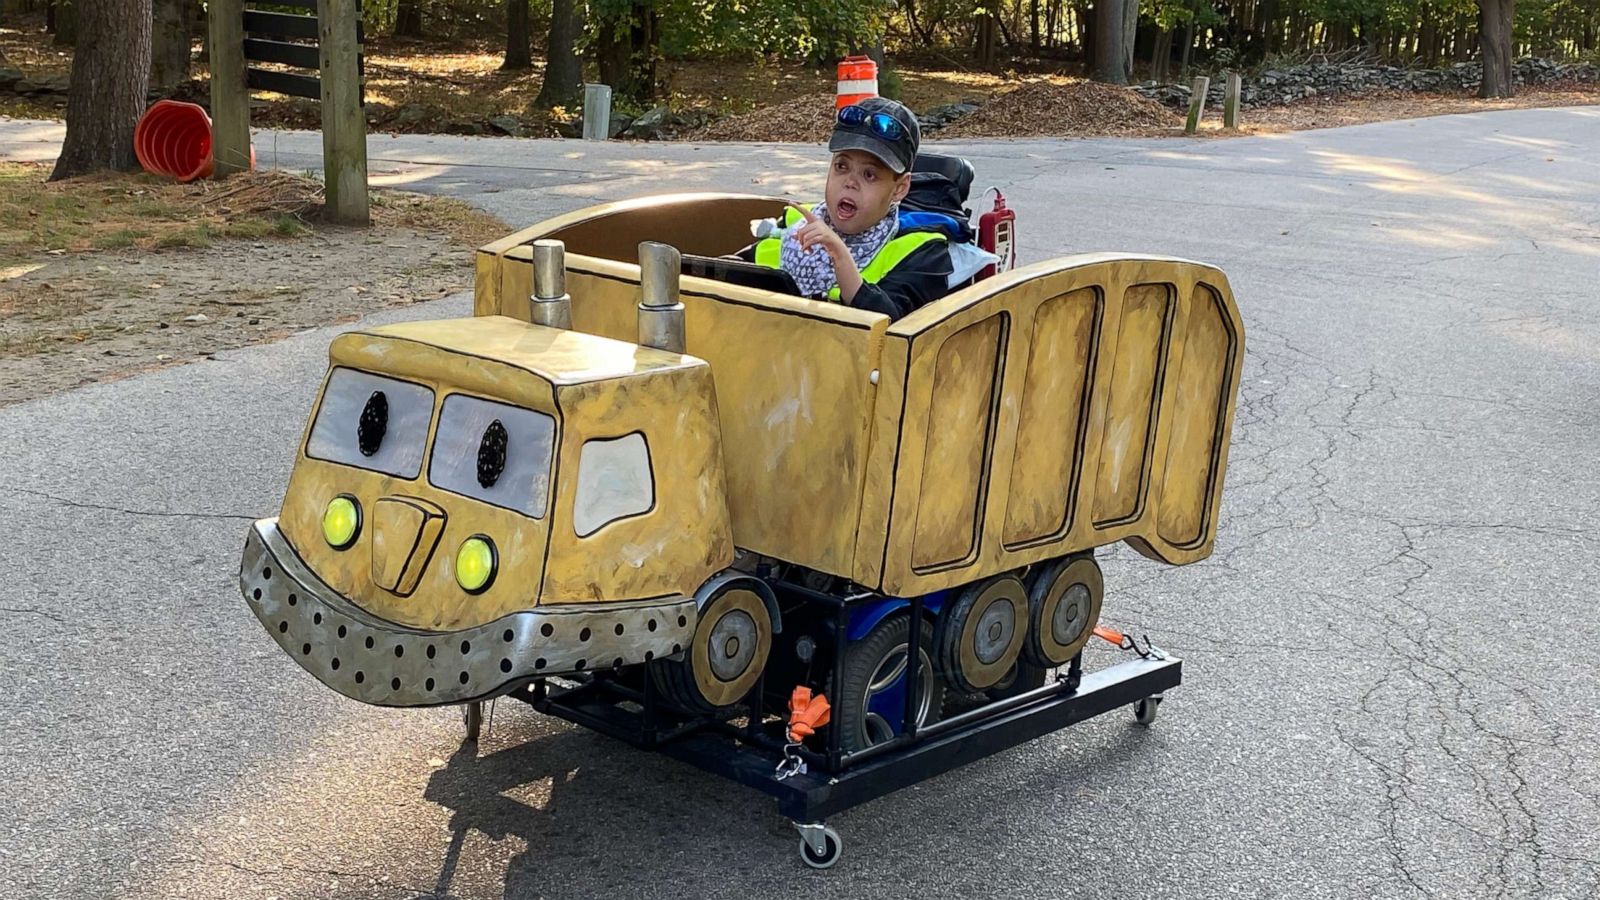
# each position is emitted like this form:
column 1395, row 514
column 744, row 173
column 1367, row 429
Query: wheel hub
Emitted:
column 995, row 628
column 1068, row 622
column 889, row 683
column 734, row 636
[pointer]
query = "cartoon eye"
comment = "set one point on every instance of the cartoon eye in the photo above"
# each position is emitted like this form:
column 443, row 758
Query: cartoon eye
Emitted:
column 492, row 454
column 374, row 422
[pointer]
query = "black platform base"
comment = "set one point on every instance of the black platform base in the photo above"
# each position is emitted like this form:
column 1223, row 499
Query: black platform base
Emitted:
column 749, row 752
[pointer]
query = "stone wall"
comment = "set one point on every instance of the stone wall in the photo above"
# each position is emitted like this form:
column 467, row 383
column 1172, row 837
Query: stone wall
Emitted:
column 1291, row 83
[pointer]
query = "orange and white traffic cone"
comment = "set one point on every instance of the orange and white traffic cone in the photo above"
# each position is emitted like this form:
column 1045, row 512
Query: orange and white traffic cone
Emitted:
column 858, row 80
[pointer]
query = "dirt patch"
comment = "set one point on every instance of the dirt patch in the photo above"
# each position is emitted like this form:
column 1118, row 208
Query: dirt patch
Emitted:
column 1055, row 107
column 86, row 318
column 803, row 120
column 116, row 274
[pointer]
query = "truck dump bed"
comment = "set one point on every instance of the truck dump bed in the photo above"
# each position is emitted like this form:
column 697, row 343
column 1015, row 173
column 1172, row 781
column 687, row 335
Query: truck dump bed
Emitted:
column 1048, row 410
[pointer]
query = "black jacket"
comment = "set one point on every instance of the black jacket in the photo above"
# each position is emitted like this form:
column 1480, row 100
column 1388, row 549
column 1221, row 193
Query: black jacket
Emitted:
column 918, row 280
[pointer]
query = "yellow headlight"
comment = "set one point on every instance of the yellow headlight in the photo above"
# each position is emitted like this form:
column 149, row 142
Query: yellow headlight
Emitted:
column 341, row 521
column 475, row 564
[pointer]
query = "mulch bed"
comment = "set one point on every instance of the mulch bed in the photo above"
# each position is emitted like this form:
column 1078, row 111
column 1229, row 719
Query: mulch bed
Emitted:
column 1053, row 108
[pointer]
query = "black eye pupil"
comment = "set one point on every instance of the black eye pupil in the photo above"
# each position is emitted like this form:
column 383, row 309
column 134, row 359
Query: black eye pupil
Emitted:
column 374, row 423
column 492, row 454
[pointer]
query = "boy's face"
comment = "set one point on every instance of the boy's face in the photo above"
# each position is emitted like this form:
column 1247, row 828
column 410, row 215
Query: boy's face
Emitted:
column 861, row 189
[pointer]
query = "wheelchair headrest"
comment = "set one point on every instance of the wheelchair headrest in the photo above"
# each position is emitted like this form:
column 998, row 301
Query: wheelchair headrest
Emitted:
column 957, row 170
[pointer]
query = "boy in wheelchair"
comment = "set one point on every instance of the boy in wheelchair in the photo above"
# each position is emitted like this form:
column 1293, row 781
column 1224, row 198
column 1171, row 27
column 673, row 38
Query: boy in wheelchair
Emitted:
column 892, row 234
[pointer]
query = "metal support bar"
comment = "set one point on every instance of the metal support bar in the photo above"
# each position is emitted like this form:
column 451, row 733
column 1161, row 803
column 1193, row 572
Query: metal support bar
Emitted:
column 908, row 719
column 883, row 768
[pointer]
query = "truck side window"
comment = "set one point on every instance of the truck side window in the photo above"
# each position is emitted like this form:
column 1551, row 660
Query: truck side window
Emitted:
column 614, row 482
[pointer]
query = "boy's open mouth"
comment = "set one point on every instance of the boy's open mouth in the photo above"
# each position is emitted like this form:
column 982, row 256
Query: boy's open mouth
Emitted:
column 845, row 210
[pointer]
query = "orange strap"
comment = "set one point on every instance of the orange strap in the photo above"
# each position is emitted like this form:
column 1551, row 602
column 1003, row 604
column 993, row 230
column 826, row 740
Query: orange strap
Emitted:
column 1109, row 635
column 807, row 713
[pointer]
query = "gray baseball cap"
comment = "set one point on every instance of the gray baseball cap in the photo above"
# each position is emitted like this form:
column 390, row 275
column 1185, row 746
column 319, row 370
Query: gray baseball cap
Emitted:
column 897, row 154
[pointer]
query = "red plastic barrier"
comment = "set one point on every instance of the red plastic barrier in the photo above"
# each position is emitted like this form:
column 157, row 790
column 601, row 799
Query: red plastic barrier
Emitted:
column 173, row 138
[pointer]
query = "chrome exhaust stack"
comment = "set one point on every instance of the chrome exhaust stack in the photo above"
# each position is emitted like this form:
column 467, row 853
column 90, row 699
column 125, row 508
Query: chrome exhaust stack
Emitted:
column 550, row 305
column 660, row 311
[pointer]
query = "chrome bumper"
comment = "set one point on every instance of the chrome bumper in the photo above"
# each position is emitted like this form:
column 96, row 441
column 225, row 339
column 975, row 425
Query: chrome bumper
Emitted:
column 379, row 662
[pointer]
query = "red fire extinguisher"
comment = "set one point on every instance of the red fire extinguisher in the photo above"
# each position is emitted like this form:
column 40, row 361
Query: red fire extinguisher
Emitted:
column 996, row 234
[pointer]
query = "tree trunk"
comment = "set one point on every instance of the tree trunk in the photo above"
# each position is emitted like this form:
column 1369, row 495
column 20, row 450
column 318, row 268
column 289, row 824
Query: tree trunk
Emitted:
column 50, row 16
column 1130, row 31
column 1110, row 41
column 110, row 74
column 1084, row 20
column 562, row 74
column 1270, row 28
column 67, row 22
column 1494, row 40
column 408, row 19
column 169, row 44
column 519, row 55
column 1033, row 22
column 624, row 49
column 1188, row 49
column 1161, row 56
column 985, row 49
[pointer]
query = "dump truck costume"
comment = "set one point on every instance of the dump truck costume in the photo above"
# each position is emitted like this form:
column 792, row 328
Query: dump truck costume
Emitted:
column 663, row 544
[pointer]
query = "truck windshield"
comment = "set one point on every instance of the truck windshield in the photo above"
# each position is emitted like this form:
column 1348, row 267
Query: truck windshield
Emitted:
column 493, row 452
column 372, row 422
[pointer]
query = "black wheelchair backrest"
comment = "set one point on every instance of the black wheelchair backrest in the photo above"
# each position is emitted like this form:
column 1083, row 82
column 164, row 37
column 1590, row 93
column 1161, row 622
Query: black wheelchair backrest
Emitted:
column 959, row 172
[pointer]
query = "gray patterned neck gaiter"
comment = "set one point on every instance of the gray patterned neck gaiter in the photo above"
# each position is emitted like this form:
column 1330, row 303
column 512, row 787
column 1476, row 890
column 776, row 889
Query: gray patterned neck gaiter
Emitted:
column 813, row 271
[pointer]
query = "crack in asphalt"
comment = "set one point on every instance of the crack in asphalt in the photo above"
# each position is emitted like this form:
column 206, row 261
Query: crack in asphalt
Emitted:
column 1437, row 700
column 149, row 513
column 36, row 612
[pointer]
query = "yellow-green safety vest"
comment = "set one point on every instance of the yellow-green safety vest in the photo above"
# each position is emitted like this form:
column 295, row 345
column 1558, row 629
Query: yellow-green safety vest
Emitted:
column 769, row 252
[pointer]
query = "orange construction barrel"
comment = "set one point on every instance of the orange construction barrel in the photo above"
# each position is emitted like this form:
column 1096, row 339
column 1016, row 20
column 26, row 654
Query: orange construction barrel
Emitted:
column 858, row 80
column 173, row 138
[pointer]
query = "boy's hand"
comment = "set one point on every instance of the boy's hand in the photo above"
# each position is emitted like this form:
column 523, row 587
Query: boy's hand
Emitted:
column 816, row 233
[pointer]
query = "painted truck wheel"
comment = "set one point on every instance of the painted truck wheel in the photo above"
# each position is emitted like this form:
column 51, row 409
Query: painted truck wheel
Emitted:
column 869, row 707
column 1064, row 599
column 981, row 634
column 1023, row 678
column 726, row 655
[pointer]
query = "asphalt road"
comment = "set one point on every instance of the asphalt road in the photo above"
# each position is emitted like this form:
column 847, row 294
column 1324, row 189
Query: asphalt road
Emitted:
column 1391, row 661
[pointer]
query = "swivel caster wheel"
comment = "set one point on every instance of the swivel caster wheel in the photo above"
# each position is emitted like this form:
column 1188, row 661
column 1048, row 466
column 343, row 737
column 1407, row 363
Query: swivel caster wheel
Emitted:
column 1145, row 712
column 472, row 720
column 819, row 845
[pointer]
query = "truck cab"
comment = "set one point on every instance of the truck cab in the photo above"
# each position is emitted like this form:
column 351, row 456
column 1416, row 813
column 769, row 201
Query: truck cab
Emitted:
column 484, row 500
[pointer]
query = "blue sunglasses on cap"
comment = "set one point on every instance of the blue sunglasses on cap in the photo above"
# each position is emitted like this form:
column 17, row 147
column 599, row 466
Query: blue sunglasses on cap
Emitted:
column 882, row 125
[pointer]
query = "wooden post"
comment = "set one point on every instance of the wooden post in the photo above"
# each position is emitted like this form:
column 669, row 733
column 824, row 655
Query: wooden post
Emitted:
column 596, row 112
column 230, row 100
column 1197, row 103
column 1230, row 101
column 344, row 123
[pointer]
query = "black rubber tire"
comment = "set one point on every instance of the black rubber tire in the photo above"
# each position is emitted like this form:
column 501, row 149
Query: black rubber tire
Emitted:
column 862, row 660
column 1024, row 678
column 830, row 856
column 675, row 678
column 948, row 653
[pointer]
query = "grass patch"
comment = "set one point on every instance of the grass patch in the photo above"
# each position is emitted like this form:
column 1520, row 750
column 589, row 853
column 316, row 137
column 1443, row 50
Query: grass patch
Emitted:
column 115, row 211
